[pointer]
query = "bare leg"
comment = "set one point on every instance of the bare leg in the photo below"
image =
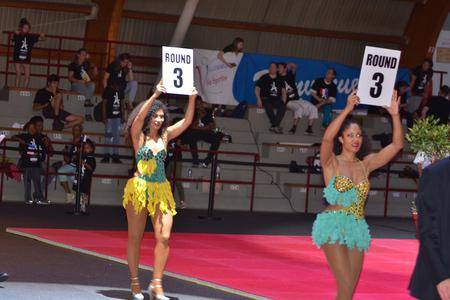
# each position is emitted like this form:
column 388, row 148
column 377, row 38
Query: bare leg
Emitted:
column 65, row 186
column 73, row 120
column 18, row 73
column 56, row 105
column 26, row 70
column 339, row 262
column 162, row 225
column 356, row 262
column 136, row 227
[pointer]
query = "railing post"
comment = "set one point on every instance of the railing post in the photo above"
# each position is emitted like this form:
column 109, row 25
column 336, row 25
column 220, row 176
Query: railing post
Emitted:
column 386, row 192
column 308, row 182
column 252, row 196
column 48, row 62
column 3, row 169
column 59, row 55
column 46, row 178
column 7, row 60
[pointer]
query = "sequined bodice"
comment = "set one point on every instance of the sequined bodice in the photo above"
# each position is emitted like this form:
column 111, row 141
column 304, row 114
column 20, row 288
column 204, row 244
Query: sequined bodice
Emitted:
column 344, row 192
column 150, row 166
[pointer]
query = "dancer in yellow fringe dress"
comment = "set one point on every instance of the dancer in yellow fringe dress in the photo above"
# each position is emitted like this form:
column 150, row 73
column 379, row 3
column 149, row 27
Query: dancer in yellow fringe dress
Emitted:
column 149, row 192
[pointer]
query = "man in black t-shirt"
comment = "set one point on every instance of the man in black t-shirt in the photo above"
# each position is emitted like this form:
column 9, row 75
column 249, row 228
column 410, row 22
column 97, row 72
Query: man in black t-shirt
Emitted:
column 421, row 77
column 113, row 117
column 49, row 100
column 121, row 70
column 299, row 107
column 203, row 128
column 31, row 156
column 271, row 94
column 323, row 95
column 24, row 41
column 81, row 76
column 438, row 106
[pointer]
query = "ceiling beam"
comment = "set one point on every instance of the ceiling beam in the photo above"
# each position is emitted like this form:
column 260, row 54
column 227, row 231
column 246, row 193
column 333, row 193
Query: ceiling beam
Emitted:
column 217, row 23
column 60, row 7
column 260, row 27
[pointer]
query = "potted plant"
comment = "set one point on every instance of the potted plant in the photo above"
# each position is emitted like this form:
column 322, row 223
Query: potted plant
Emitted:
column 431, row 138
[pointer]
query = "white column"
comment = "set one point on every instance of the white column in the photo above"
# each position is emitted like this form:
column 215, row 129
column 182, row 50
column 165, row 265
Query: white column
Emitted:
column 182, row 27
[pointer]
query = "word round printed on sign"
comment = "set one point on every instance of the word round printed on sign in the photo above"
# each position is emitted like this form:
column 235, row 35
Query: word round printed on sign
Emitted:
column 378, row 76
column 177, row 58
column 178, row 70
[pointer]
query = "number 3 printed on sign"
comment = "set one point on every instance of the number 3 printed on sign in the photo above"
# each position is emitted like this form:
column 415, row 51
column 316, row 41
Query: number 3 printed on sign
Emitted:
column 375, row 92
column 179, row 81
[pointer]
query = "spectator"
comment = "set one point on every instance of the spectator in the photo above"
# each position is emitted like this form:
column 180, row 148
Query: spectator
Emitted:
column 236, row 47
column 113, row 117
column 438, row 106
column 31, row 156
column 323, row 95
column 47, row 145
column 202, row 129
column 24, row 41
column 300, row 108
column 71, row 156
column 420, row 84
column 271, row 95
column 402, row 87
column 121, row 70
column 49, row 100
column 88, row 166
column 81, row 73
column 173, row 162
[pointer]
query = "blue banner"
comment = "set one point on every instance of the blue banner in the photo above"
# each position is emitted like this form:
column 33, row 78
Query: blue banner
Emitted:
column 252, row 66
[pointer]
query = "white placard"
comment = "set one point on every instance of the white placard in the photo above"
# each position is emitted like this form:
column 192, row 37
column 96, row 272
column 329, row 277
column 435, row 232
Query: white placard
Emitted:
column 178, row 70
column 378, row 75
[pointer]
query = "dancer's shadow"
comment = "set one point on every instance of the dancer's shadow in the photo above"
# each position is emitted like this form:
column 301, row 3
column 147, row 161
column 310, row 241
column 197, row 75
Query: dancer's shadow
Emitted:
column 124, row 295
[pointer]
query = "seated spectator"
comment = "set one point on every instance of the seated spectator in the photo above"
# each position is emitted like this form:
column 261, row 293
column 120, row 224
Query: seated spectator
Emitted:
column 173, row 162
column 438, row 106
column 202, row 129
column 402, row 89
column 81, row 74
column 113, row 117
column 299, row 107
column 271, row 94
column 71, row 156
column 323, row 95
column 420, row 84
column 24, row 41
column 31, row 152
column 121, row 70
column 49, row 100
column 88, row 166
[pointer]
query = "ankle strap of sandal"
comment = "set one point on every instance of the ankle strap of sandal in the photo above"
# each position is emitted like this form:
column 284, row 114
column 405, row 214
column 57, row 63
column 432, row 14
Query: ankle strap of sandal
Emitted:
column 157, row 279
column 134, row 278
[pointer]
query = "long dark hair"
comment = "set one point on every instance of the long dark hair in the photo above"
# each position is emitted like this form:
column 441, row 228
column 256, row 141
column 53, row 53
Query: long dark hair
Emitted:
column 157, row 105
column 364, row 149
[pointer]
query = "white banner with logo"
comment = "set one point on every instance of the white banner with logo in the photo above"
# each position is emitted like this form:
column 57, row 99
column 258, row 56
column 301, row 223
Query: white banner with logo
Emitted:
column 214, row 79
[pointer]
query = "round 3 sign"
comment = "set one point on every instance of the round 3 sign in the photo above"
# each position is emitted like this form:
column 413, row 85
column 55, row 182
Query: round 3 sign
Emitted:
column 178, row 70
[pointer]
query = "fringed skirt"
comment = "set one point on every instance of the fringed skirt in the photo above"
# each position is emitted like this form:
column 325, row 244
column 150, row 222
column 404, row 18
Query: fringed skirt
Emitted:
column 341, row 227
column 149, row 195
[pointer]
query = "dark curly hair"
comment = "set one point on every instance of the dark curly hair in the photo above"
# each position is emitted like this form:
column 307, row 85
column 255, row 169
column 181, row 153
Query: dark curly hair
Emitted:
column 157, row 105
column 337, row 149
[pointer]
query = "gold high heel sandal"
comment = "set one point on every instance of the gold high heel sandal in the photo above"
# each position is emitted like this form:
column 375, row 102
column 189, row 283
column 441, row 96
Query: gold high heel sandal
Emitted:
column 136, row 296
column 153, row 295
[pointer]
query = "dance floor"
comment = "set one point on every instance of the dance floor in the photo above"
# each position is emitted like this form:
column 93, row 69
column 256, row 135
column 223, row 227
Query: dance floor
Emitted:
column 269, row 266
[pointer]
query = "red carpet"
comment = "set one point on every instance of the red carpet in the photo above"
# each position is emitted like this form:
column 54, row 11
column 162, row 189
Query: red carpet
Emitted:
column 276, row 267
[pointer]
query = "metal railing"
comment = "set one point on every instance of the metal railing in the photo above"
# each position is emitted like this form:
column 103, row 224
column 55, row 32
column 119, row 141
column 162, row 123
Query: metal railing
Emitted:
column 54, row 56
column 212, row 180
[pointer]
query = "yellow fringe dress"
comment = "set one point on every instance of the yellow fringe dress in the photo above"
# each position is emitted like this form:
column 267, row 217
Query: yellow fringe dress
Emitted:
column 151, row 188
